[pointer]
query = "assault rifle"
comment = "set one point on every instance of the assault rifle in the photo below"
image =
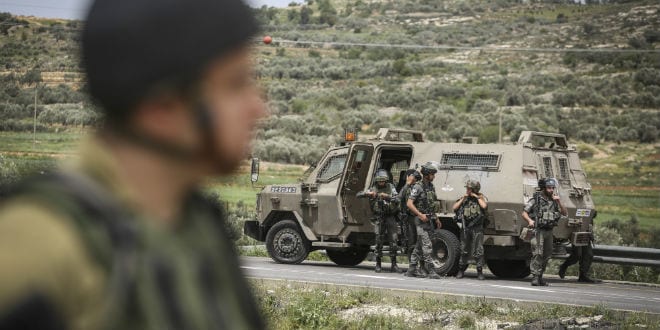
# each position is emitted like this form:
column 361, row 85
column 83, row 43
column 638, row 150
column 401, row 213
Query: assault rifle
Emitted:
column 381, row 204
column 432, row 217
column 459, row 216
column 379, row 216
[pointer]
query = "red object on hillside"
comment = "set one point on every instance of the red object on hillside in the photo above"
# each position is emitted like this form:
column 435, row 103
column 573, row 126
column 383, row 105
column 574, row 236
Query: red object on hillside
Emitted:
column 268, row 40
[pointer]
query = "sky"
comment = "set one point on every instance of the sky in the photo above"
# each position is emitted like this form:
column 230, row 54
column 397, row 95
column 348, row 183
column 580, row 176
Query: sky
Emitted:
column 76, row 9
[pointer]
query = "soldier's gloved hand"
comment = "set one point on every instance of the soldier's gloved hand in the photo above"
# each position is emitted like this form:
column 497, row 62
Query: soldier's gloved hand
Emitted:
column 532, row 224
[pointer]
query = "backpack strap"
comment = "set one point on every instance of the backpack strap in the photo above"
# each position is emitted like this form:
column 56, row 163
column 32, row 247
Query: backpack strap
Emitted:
column 95, row 212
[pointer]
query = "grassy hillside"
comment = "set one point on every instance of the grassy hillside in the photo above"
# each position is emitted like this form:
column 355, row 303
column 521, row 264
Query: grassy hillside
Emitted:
column 608, row 101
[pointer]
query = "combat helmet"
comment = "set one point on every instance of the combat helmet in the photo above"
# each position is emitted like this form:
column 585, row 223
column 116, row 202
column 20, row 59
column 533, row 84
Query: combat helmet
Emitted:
column 474, row 185
column 550, row 182
column 381, row 176
column 429, row 168
column 547, row 182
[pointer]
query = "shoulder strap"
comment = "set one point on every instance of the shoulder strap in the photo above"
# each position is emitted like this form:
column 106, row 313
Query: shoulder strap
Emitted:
column 92, row 206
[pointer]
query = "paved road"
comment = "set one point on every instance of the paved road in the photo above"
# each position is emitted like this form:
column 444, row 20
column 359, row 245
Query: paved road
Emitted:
column 613, row 295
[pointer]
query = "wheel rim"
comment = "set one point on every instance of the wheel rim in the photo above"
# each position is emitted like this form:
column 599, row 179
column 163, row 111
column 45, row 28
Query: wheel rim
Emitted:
column 288, row 243
column 440, row 254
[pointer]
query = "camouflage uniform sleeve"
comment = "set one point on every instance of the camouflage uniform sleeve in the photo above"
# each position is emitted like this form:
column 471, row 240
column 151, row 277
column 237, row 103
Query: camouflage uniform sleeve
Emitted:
column 415, row 191
column 530, row 205
column 393, row 194
column 42, row 254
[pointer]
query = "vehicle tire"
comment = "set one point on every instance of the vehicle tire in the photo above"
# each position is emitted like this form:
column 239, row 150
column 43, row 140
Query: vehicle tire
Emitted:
column 446, row 251
column 509, row 268
column 286, row 244
column 350, row 257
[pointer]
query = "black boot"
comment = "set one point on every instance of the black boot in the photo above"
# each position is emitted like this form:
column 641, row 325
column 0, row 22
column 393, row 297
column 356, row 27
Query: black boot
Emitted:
column 586, row 279
column 535, row 281
column 421, row 273
column 432, row 273
column 541, row 281
column 378, row 269
column 395, row 268
column 480, row 274
column 562, row 270
column 412, row 271
column 422, row 269
column 460, row 273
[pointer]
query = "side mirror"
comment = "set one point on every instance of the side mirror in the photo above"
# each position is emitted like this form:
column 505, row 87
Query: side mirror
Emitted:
column 254, row 172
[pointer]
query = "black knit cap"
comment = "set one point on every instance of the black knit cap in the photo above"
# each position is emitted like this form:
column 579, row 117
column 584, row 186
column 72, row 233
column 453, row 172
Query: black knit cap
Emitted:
column 130, row 47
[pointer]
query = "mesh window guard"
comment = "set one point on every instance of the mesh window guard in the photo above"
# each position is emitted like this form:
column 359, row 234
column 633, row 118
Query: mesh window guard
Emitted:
column 563, row 168
column 461, row 160
column 333, row 167
column 547, row 167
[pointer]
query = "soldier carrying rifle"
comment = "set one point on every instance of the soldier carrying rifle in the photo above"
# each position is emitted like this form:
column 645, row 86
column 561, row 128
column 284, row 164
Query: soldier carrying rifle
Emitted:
column 470, row 210
column 384, row 204
column 421, row 204
column 542, row 213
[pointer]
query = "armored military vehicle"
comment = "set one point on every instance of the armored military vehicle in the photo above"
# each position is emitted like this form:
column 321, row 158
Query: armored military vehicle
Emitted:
column 323, row 212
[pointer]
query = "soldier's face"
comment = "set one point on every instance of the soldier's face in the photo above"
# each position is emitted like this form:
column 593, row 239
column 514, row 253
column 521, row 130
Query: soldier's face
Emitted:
column 235, row 105
column 380, row 183
column 549, row 191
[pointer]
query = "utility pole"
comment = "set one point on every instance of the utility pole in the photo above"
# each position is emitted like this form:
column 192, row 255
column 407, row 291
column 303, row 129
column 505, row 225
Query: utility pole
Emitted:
column 34, row 125
column 499, row 139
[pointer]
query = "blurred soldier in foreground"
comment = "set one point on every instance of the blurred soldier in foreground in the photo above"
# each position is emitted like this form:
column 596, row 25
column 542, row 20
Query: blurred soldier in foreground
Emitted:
column 542, row 213
column 385, row 205
column 421, row 204
column 407, row 218
column 123, row 239
column 471, row 212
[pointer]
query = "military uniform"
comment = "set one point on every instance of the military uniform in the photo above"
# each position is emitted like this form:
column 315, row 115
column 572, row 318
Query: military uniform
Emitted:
column 473, row 233
column 545, row 213
column 408, row 219
column 583, row 254
column 385, row 212
column 423, row 196
column 103, row 263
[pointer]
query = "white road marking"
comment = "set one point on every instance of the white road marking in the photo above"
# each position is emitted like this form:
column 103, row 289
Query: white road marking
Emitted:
column 521, row 288
column 373, row 276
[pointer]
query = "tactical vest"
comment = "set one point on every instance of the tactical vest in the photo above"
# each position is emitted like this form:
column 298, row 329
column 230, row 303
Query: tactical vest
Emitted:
column 425, row 201
column 384, row 206
column 472, row 212
column 149, row 285
column 545, row 212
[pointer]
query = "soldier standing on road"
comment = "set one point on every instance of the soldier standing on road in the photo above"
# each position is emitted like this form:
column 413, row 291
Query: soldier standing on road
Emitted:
column 123, row 238
column 542, row 213
column 385, row 205
column 471, row 208
column 408, row 219
column 421, row 204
